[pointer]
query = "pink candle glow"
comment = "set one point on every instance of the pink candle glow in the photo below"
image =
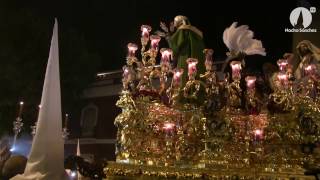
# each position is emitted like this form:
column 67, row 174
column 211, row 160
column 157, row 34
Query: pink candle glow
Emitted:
column 145, row 29
column 168, row 126
column 166, row 55
column 192, row 66
column 282, row 63
column 258, row 133
column 251, row 81
column 309, row 70
column 132, row 48
column 177, row 77
column 236, row 69
column 155, row 39
column 125, row 72
column 283, row 78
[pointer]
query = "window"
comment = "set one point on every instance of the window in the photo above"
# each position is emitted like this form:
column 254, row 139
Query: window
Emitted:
column 89, row 117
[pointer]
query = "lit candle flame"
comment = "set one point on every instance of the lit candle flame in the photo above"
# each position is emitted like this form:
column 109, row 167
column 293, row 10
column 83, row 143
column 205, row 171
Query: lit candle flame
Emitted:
column 155, row 39
column 176, row 76
column 282, row 63
column 145, row 31
column 168, row 126
column 166, row 55
column 236, row 68
column 20, row 108
column 258, row 132
column 250, row 80
column 132, row 48
column 192, row 66
column 66, row 120
column 309, row 69
column 283, row 80
column 282, row 77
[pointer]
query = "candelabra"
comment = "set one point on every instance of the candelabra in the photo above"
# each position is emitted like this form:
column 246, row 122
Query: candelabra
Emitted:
column 192, row 87
column 167, row 130
column 174, row 90
column 34, row 129
column 17, row 125
column 65, row 132
column 233, row 89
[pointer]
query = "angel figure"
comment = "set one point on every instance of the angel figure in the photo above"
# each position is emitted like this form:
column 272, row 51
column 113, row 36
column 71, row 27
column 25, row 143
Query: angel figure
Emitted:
column 240, row 42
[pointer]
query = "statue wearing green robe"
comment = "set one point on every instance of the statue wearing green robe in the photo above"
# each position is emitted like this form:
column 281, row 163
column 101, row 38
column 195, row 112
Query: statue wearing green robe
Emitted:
column 187, row 42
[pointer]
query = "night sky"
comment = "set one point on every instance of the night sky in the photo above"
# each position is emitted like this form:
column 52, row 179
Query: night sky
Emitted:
column 108, row 26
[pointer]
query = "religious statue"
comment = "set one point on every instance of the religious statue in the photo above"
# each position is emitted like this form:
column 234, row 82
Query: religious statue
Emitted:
column 308, row 54
column 186, row 42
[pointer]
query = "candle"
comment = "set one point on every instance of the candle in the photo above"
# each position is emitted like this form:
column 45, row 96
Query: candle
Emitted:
column 39, row 107
column 125, row 72
column 250, row 80
column 236, row 68
column 168, row 126
column 208, row 63
column 145, row 29
column 208, row 53
column 166, row 55
column 283, row 78
column 309, row 69
column 20, row 108
column 258, row 133
column 282, row 63
column 66, row 121
column 132, row 48
column 126, row 76
column 192, row 66
column 177, row 77
column 155, row 39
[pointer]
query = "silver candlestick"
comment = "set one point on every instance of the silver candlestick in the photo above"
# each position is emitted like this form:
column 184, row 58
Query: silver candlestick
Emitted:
column 17, row 126
column 34, row 129
column 65, row 132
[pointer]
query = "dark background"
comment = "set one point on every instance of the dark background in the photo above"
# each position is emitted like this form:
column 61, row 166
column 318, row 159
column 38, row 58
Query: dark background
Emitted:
column 93, row 35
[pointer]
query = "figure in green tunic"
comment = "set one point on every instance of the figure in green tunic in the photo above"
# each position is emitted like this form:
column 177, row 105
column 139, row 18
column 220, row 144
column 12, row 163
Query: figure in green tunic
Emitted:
column 187, row 42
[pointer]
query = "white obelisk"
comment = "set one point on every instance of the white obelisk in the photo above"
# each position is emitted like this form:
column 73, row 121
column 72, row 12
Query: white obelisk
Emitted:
column 78, row 154
column 46, row 158
column 78, row 148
